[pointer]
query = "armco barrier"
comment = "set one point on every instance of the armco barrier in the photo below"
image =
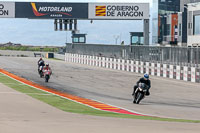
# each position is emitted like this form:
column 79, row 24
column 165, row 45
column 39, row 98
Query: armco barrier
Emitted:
column 185, row 73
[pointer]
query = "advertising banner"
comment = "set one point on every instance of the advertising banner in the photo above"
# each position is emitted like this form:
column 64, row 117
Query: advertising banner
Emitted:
column 118, row 11
column 165, row 70
column 137, row 67
column 115, row 63
column 119, row 64
column 132, row 66
column 171, row 71
column 123, row 65
column 7, row 9
column 178, row 72
column 153, row 69
column 193, row 74
column 158, row 69
column 51, row 10
column 127, row 65
column 147, row 67
column 111, row 63
column 142, row 67
column 185, row 73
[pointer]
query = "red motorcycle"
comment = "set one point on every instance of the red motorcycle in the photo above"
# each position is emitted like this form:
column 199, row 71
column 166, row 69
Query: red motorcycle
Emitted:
column 47, row 74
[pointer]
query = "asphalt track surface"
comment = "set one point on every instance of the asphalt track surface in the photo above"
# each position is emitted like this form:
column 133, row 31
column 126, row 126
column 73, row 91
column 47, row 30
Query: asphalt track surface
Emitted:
column 169, row 98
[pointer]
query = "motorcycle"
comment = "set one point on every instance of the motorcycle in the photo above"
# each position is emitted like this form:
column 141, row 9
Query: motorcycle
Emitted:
column 40, row 71
column 40, row 68
column 140, row 93
column 47, row 74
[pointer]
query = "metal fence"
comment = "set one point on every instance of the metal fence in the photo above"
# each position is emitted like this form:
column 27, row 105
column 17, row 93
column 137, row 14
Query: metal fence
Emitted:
column 183, row 56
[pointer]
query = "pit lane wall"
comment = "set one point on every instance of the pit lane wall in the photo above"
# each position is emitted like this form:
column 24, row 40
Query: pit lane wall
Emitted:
column 185, row 73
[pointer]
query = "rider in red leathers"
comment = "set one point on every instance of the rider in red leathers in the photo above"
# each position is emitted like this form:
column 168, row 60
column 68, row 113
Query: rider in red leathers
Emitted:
column 47, row 68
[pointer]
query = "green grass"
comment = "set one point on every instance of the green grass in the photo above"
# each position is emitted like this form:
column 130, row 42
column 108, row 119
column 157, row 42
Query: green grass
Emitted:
column 28, row 48
column 73, row 107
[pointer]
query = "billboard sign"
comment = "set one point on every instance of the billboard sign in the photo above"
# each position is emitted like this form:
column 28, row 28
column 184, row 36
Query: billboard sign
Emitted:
column 7, row 9
column 51, row 10
column 118, row 11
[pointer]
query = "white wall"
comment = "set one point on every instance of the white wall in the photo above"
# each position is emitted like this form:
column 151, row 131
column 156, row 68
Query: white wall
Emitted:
column 193, row 40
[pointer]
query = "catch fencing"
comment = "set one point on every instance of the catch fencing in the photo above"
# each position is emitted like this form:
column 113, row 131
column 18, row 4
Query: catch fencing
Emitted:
column 182, row 56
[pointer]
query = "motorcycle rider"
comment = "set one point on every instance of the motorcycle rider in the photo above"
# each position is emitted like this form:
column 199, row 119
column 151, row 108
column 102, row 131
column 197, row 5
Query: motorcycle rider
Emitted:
column 47, row 67
column 144, row 80
column 40, row 62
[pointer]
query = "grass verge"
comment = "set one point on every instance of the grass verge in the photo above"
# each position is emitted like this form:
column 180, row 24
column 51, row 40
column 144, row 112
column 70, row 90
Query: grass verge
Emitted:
column 73, row 107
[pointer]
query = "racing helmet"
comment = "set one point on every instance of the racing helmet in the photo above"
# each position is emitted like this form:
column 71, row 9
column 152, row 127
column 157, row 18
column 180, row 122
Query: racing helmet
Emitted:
column 146, row 76
column 47, row 64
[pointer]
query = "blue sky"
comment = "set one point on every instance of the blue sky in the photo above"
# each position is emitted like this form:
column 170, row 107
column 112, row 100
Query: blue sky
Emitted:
column 41, row 32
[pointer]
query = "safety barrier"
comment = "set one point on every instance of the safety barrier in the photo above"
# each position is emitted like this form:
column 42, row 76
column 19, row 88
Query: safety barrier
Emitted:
column 183, row 56
column 163, row 70
column 59, row 56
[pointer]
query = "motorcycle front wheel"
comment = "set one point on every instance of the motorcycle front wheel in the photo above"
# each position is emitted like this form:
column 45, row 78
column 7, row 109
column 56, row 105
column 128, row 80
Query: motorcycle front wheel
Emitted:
column 139, row 97
column 46, row 78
